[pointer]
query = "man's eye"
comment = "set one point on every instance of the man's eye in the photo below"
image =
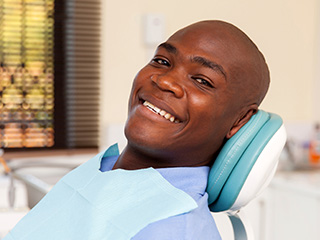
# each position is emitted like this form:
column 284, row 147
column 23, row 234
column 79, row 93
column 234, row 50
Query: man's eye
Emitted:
column 203, row 82
column 161, row 61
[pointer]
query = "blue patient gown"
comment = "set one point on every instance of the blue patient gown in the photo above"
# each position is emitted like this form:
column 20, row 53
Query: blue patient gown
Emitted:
column 195, row 225
column 94, row 203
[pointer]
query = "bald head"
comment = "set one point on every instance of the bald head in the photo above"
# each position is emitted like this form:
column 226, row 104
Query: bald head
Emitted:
column 247, row 68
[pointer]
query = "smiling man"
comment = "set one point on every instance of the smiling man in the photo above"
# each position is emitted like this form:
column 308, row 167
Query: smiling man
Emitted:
column 202, row 85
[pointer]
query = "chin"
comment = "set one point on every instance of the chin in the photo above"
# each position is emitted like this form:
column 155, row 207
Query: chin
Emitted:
column 142, row 139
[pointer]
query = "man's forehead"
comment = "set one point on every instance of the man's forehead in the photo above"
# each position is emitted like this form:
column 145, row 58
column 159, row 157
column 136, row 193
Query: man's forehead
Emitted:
column 206, row 29
column 215, row 32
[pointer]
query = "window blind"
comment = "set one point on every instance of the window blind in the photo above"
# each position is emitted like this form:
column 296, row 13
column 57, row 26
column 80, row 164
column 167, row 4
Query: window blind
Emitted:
column 82, row 72
column 26, row 73
column 49, row 73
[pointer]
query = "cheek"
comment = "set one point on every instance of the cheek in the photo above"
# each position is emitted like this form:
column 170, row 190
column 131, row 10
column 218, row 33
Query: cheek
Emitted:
column 136, row 84
column 210, row 117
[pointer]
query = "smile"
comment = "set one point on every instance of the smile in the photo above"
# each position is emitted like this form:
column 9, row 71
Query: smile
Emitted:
column 161, row 112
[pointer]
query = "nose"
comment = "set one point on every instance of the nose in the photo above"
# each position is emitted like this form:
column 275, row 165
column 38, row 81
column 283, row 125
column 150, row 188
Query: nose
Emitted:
column 168, row 83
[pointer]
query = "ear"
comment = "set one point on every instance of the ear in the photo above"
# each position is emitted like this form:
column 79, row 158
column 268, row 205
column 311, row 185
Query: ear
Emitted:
column 242, row 120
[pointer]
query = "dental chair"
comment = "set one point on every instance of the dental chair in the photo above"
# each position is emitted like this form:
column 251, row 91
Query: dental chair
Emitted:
column 244, row 168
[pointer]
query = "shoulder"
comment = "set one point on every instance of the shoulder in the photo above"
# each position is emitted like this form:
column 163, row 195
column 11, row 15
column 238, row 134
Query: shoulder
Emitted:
column 194, row 225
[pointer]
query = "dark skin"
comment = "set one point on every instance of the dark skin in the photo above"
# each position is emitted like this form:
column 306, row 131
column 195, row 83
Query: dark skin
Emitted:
column 210, row 78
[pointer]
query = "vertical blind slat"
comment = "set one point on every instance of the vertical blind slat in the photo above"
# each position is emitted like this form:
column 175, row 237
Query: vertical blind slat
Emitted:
column 82, row 44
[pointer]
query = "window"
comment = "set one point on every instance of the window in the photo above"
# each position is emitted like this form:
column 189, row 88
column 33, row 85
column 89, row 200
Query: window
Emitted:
column 50, row 56
column 26, row 69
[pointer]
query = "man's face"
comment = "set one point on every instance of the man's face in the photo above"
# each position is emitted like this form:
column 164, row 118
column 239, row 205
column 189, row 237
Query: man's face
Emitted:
column 183, row 103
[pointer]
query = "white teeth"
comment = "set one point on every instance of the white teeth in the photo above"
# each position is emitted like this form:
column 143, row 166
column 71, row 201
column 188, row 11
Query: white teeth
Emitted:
column 157, row 110
column 167, row 116
column 161, row 112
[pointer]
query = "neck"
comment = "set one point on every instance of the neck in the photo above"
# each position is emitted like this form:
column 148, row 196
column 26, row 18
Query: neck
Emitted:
column 133, row 158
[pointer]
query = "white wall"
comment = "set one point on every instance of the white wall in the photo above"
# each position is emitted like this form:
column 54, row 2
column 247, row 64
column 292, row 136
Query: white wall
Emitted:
column 284, row 30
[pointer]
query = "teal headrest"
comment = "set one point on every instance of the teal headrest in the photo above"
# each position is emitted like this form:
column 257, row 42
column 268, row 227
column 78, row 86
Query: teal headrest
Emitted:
column 246, row 162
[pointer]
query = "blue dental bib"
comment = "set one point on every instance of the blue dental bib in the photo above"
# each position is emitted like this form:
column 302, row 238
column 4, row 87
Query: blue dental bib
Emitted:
column 94, row 205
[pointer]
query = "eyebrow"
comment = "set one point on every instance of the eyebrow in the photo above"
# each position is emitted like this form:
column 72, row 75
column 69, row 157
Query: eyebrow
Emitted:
column 209, row 64
column 170, row 48
column 197, row 59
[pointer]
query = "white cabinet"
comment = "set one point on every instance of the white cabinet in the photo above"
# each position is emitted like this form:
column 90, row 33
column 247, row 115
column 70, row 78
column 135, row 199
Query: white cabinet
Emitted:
column 296, row 216
column 289, row 208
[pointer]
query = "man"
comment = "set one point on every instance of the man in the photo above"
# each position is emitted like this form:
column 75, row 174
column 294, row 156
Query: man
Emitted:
column 209, row 78
column 202, row 85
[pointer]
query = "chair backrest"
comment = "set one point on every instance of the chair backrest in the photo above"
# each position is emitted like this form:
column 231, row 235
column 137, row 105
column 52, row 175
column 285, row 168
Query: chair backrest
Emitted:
column 246, row 163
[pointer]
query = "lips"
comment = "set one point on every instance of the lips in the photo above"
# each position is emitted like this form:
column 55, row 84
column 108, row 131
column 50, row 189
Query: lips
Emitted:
column 161, row 112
